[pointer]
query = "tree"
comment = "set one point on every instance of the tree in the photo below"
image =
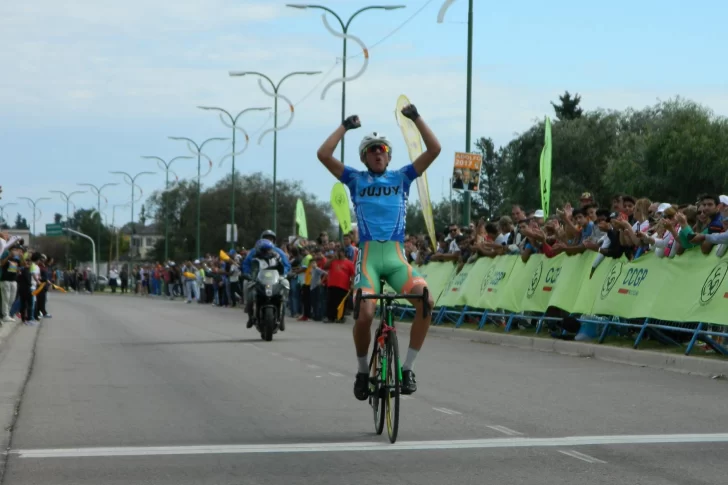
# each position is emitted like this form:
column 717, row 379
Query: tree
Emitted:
column 143, row 216
column 568, row 109
column 489, row 198
column 21, row 223
column 253, row 213
column 669, row 152
column 57, row 218
column 441, row 212
column 52, row 246
column 83, row 221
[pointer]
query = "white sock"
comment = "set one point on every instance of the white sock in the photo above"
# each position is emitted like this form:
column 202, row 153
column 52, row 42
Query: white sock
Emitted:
column 363, row 364
column 410, row 360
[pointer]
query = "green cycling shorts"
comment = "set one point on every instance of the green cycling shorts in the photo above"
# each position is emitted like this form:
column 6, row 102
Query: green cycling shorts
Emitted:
column 384, row 260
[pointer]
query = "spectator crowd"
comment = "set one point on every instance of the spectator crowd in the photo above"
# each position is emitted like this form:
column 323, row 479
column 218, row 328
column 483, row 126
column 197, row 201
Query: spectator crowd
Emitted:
column 323, row 270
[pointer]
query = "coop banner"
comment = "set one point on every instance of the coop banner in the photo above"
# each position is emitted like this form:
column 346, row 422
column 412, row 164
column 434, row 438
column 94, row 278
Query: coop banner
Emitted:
column 437, row 275
column 690, row 288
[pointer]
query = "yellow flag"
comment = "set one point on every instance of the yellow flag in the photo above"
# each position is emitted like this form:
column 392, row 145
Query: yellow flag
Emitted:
column 340, row 308
column 59, row 288
column 340, row 204
column 223, row 256
column 414, row 147
column 39, row 289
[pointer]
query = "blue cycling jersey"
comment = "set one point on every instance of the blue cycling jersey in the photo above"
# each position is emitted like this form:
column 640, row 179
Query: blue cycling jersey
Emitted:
column 380, row 201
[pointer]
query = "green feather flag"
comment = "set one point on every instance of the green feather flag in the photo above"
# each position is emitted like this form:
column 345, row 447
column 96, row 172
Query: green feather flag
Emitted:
column 546, row 169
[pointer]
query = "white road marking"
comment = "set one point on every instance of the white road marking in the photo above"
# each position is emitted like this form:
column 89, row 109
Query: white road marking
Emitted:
column 506, row 431
column 336, row 374
column 312, row 366
column 569, row 441
column 581, row 456
column 275, row 353
column 406, row 398
column 318, row 376
column 446, row 411
column 292, row 359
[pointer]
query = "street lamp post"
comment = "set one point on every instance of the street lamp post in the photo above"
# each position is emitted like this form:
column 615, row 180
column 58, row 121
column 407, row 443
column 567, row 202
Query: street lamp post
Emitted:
column 131, row 180
column 469, row 95
column 3, row 214
column 34, row 205
column 166, row 166
column 113, row 225
column 275, row 125
column 234, row 126
column 97, row 191
column 345, row 29
column 67, row 199
column 199, row 160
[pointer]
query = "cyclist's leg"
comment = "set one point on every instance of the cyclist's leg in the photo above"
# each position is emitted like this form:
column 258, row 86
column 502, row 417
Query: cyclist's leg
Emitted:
column 406, row 280
column 366, row 278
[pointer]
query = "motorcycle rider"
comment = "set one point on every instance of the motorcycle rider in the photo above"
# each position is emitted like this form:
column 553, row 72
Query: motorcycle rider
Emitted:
column 266, row 250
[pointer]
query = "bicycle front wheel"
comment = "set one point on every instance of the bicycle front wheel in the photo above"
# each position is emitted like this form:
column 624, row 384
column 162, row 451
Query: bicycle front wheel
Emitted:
column 393, row 380
column 376, row 388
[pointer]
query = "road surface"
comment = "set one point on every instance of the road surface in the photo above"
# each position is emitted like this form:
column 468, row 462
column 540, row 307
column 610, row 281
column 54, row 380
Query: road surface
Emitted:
column 126, row 389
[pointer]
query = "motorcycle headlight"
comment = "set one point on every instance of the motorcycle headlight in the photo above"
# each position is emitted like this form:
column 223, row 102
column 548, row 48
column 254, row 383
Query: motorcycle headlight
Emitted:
column 268, row 290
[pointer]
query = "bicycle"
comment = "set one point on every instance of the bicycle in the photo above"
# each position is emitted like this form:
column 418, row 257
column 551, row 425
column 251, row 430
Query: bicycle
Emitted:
column 385, row 368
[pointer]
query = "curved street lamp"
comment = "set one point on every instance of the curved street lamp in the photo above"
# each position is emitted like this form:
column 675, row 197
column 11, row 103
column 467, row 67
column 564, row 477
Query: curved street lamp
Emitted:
column 344, row 29
column 167, row 167
column 131, row 180
column 3, row 214
column 233, row 124
column 199, row 160
column 97, row 191
column 66, row 197
column 275, row 87
column 34, row 205
column 469, row 94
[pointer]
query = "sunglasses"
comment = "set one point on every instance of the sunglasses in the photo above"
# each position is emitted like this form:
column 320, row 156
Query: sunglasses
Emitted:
column 379, row 146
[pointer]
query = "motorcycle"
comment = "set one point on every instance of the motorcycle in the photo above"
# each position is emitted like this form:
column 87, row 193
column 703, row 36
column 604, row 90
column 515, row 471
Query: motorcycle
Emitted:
column 270, row 292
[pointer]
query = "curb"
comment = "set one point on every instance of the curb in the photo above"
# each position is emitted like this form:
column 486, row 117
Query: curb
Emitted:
column 642, row 358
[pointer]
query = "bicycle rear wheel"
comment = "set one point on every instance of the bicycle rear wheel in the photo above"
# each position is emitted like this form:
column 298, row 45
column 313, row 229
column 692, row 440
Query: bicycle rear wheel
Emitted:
column 376, row 400
column 393, row 385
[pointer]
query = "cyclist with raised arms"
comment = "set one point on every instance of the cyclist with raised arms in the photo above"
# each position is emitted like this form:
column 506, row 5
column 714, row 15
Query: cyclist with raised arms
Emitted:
column 380, row 200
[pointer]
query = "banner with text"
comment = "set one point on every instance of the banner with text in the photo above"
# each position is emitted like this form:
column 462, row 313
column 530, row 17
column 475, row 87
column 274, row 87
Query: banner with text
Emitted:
column 689, row 288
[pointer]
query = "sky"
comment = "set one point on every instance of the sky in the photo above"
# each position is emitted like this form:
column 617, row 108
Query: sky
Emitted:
column 90, row 86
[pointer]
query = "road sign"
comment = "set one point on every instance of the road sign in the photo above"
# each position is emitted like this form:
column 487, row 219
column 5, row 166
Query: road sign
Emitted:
column 231, row 237
column 54, row 230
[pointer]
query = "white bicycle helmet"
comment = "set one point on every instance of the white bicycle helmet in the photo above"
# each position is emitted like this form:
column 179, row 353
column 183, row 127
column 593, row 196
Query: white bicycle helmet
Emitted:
column 373, row 139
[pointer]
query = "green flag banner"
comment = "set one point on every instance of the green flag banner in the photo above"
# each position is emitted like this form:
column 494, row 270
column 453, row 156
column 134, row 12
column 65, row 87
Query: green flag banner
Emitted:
column 301, row 219
column 546, row 169
column 689, row 288
column 340, row 204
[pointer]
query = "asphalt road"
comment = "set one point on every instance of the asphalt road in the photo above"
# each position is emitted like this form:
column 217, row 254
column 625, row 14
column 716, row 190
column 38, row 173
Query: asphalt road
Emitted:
column 147, row 391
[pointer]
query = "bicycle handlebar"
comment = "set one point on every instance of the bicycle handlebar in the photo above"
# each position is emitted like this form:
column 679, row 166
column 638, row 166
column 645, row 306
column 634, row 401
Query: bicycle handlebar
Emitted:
column 389, row 297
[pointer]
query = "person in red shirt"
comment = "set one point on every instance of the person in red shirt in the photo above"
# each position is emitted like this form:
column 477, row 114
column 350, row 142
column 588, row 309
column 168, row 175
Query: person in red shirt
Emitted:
column 341, row 273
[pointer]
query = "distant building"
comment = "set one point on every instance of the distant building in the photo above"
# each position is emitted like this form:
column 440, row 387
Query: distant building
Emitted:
column 144, row 239
column 24, row 233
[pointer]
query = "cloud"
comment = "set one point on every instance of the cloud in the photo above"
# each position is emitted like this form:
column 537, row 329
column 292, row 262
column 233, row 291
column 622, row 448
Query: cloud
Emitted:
column 140, row 18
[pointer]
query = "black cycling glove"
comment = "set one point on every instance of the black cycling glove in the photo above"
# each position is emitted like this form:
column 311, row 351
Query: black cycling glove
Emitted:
column 352, row 122
column 410, row 111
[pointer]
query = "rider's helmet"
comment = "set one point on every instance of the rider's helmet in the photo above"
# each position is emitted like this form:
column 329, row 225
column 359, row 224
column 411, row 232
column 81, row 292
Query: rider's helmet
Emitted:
column 264, row 247
column 269, row 235
column 374, row 139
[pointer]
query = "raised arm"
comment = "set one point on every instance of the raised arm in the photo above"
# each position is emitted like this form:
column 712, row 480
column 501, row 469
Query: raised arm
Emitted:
column 326, row 151
column 432, row 145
